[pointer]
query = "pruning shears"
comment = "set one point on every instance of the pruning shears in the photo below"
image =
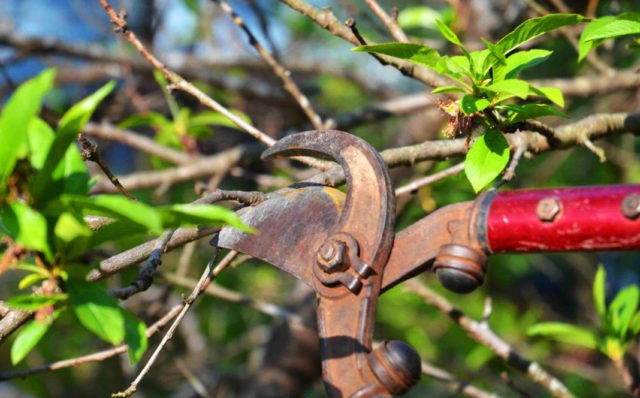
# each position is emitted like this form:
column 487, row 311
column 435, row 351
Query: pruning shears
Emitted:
column 345, row 247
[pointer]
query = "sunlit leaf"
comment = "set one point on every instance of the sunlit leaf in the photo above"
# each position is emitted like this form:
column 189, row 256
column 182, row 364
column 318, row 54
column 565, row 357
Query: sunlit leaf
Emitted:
column 416, row 53
column 622, row 308
column 418, row 17
column 97, row 311
column 565, row 333
column 518, row 113
column 23, row 105
column 551, row 93
column 40, row 137
column 27, row 227
column 486, row 159
column 509, row 87
column 32, row 302
column 599, row 290
column 519, row 61
column 535, row 27
column 608, row 27
column 70, row 125
column 448, row 90
column 29, row 336
column 470, row 104
column 193, row 214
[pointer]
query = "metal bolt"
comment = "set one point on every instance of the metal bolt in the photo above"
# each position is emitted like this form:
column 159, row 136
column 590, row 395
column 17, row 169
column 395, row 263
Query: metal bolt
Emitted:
column 548, row 208
column 631, row 206
column 459, row 268
column 330, row 256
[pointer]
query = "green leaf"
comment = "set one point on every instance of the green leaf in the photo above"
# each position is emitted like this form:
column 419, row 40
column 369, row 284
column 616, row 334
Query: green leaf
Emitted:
column 622, row 309
column 599, row 290
column 450, row 35
column 470, row 104
column 135, row 336
column 486, row 159
column 30, row 280
column 29, row 336
column 40, row 137
column 535, row 27
column 115, row 231
column 71, row 235
column 193, row 214
column 23, row 105
column 32, row 302
column 509, row 88
column 416, row 53
column 634, row 325
column 565, row 333
column 517, row 62
column 518, row 113
column 117, row 207
column 551, row 93
column 448, row 89
column 494, row 59
column 46, row 185
column 27, row 227
column 608, row 27
column 97, row 311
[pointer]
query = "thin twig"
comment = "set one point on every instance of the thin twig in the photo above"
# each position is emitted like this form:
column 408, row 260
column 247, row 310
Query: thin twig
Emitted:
column 178, row 82
column 430, row 179
column 480, row 332
column 109, row 132
column 95, row 357
column 388, row 21
column 515, row 160
column 89, row 151
column 207, row 276
column 279, row 70
column 457, row 386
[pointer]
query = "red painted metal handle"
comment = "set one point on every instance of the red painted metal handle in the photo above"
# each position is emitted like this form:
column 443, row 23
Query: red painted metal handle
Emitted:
column 594, row 218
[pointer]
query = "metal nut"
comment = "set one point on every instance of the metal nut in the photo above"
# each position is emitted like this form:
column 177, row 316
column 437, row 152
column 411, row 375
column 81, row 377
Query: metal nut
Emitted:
column 330, row 256
column 631, row 206
column 548, row 208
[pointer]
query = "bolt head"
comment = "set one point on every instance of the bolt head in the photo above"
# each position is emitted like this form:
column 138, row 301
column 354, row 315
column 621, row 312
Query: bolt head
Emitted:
column 631, row 206
column 548, row 209
column 330, row 256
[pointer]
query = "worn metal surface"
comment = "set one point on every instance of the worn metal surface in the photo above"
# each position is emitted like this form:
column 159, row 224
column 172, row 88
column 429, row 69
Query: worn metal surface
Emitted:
column 588, row 219
column 344, row 247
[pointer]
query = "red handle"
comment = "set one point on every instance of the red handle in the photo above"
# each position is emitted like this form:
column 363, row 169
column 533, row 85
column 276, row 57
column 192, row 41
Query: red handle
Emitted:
column 567, row 219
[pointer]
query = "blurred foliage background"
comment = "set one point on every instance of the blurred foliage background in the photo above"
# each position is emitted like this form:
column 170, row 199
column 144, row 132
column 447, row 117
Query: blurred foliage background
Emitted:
column 220, row 342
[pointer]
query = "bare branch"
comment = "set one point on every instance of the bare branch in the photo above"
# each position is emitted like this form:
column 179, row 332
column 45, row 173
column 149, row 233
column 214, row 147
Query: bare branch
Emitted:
column 388, row 21
column 485, row 336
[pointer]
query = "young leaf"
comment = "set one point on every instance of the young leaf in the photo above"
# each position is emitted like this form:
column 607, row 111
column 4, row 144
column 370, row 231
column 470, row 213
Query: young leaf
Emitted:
column 134, row 336
column 117, row 207
column 634, row 325
column 607, row 27
column 32, row 302
column 450, row 35
column 97, row 311
column 181, row 214
column 418, row 17
column 70, row 125
column 27, row 227
column 518, row 113
column 30, row 280
column 535, row 27
column 71, row 235
column 448, row 89
column 565, row 333
column 551, row 93
column 24, row 104
column 509, row 88
column 40, row 137
column 517, row 62
column 622, row 308
column 416, row 53
column 486, row 159
column 470, row 104
column 599, row 290
column 29, row 336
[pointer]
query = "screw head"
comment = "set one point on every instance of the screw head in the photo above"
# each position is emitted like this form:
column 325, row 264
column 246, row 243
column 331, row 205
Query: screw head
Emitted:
column 548, row 209
column 459, row 268
column 330, row 256
column 631, row 206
